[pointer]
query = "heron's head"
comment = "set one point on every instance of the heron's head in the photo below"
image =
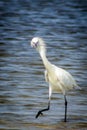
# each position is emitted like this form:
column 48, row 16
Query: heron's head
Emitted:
column 38, row 44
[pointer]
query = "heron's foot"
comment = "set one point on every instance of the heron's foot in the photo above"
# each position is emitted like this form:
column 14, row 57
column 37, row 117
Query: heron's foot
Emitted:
column 39, row 113
column 65, row 120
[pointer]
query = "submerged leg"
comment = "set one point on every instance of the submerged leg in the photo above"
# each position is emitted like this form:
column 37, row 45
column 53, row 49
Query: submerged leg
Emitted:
column 65, row 119
column 46, row 109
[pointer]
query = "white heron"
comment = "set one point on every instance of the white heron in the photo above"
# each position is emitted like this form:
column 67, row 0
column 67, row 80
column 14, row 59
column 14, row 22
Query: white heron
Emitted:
column 59, row 79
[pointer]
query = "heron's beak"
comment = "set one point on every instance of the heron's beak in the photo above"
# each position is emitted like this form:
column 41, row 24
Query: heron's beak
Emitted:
column 34, row 45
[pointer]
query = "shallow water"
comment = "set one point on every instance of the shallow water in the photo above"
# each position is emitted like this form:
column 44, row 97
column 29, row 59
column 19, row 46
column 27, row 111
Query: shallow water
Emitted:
column 63, row 25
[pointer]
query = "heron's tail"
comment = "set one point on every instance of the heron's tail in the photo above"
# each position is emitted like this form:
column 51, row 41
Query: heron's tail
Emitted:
column 78, row 87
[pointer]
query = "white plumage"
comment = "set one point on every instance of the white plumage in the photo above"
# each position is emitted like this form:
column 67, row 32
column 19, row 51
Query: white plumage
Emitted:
column 59, row 79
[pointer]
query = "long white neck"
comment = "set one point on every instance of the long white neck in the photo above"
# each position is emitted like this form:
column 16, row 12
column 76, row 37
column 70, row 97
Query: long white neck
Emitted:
column 46, row 63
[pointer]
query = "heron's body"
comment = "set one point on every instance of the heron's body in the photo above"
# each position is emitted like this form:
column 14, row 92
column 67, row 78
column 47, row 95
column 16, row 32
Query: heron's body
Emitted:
column 59, row 79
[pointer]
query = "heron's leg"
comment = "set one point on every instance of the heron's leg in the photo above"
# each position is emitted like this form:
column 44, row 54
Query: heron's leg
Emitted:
column 46, row 109
column 65, row 119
